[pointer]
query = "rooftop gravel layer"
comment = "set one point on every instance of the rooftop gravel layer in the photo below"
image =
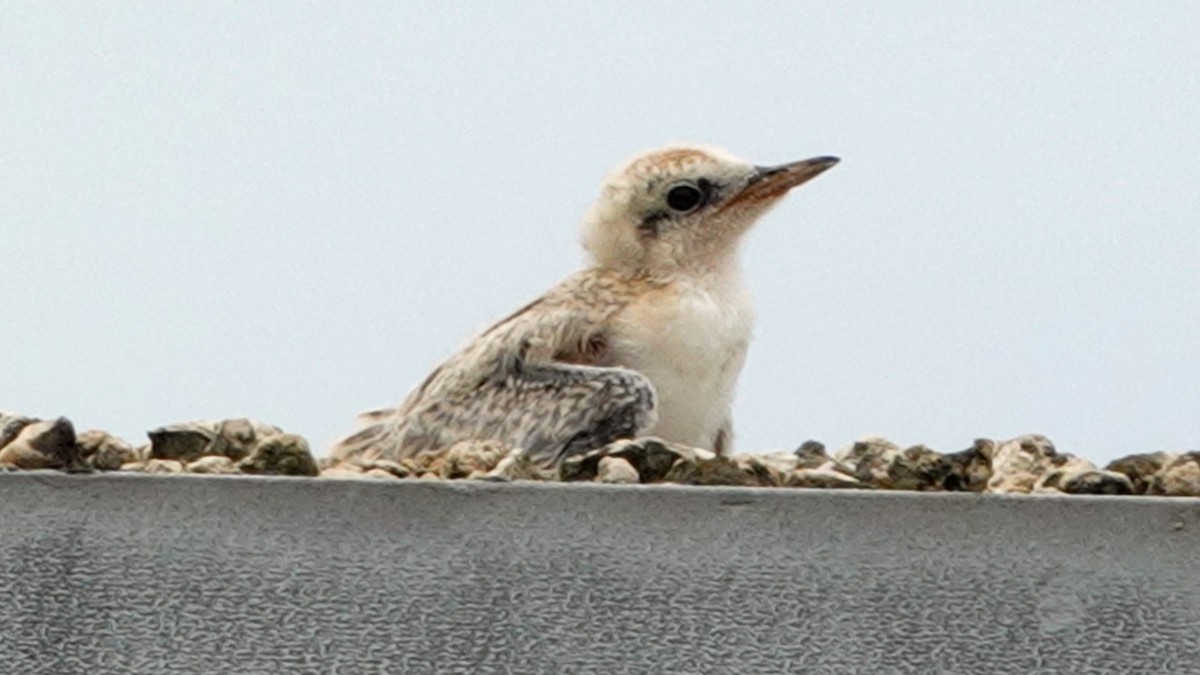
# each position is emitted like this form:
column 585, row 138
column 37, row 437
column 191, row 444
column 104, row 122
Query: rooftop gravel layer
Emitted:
column 1024, row 464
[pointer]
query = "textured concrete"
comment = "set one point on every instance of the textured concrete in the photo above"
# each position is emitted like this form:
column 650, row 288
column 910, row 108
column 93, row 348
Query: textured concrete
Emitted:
column 160, row 574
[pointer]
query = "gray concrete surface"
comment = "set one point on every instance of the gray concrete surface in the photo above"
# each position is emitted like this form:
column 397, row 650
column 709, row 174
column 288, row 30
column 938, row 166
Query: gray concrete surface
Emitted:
column 163, row 574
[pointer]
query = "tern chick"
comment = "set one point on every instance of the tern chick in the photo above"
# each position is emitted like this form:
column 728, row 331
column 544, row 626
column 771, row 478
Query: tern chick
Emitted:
column 647, row 340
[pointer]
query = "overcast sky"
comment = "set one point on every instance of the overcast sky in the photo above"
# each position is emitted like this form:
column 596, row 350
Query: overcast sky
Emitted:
column 292, row 211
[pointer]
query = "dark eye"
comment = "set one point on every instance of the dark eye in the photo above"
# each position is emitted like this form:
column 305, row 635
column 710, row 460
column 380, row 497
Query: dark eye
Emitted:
column 684, row 197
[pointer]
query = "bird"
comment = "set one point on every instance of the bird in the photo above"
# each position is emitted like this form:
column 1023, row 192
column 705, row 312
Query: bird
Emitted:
column 647, row 340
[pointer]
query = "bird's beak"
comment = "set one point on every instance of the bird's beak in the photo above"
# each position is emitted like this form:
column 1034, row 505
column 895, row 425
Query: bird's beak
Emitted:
column 770, row 182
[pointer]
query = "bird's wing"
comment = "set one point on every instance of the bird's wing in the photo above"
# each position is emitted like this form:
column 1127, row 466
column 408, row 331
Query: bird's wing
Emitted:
column 551, row 351
column 566, row 325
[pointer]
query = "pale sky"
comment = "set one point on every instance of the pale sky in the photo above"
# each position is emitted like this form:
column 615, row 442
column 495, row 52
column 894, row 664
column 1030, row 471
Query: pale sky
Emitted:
column 293, row 211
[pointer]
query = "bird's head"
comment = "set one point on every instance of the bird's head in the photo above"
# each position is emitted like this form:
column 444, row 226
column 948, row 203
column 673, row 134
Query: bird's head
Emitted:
column 683, row 208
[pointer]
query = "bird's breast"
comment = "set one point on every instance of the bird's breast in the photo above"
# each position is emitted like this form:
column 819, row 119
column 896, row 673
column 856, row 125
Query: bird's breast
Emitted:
column 690, row 341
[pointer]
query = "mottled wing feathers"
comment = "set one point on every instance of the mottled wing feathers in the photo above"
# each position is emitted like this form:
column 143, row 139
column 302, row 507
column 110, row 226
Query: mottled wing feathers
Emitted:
column 531, row 360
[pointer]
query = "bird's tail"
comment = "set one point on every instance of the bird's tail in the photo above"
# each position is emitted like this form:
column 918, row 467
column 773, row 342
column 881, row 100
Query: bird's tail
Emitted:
column 375, row 416
column 366, row 443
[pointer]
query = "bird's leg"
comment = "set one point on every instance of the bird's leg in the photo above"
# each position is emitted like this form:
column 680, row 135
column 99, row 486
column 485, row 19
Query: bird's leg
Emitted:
column 723, row 443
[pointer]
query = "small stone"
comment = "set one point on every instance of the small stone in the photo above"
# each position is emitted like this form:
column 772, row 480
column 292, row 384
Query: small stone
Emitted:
column 878, row 462
column 924, row 470
column 824, row 478
column 185, row 441
column 1140, row 469
column 616, row 470
column 401, row 469
column 870, row 458
column 43, row 445
column 11, row 424
column 769, row 469
column 652, row 457
column 381, row 473
column 1071, row 474
column 519, row 465
column 583, row 466
column 427, row 462
column 341, row 471
column 811, row 454
column 431, row 475
column 1019, row 463
column 918, row 468
column 1057, row 470
column 714, row 471
column 466, row 457
column 281, row 455
column 970, row 469
column 241, row 435
column 1179, row 477
column 760, row 474
column 236, row 438
column 212, row 464
column 162, row 466
column 103, row 451
column 1096, row 482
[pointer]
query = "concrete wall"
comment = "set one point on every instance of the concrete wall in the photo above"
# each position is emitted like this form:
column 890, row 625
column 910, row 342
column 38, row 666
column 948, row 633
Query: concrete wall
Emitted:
column 158, row 574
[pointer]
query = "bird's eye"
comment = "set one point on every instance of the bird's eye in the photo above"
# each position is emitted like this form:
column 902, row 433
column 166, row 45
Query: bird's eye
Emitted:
column 684, row 197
